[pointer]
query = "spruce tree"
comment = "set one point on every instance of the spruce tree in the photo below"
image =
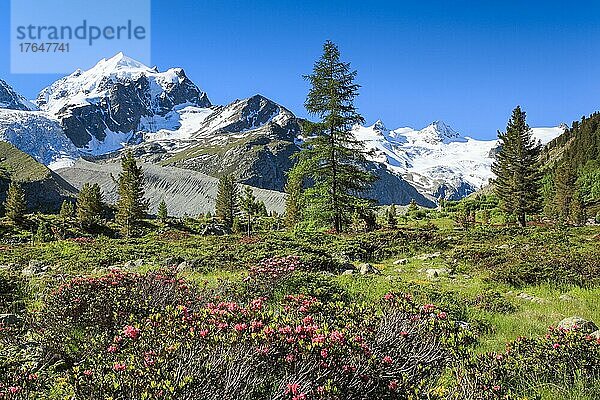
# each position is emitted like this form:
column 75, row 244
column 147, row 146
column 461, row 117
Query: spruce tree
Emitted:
column 333, row 159
column 226, row 206
column 15, row 204
column 518, row 179
column 162, row 213
column 250, row 207
column 89, row 205
column 131, row 206
column 293, row 201
column 392, row 221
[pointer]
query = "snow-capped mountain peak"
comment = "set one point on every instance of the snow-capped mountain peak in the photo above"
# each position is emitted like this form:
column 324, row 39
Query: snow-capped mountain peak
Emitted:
column 437, row 132
column 10, row 99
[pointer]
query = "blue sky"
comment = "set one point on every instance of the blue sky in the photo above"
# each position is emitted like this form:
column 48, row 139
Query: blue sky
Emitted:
column 465, row 62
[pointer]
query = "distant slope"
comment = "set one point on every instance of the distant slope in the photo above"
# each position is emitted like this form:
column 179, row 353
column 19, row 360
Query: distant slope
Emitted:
column 186, row 192
column 44, row 190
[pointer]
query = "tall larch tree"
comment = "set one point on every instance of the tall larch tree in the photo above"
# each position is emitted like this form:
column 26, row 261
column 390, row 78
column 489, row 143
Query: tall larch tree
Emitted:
column 131, row 206
column 518, row 178
column 15, row 204
column 226, row 207
column 333, row 159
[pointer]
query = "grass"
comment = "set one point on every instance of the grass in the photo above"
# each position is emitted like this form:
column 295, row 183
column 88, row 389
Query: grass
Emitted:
column 16, row 165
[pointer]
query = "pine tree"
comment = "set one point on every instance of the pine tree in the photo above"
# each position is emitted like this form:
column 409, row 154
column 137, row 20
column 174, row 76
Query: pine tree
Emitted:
column 333, row 159
column 66, row 210
column 15, row 204
column 131, row 206
column 162, row 212
column 226, row 206
column 250, row 207
column 89, row 205
column 518, row 179
column 293, row 205
column 392, row 221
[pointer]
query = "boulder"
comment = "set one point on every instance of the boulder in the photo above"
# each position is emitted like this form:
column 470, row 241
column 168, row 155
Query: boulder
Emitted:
column 402, row 261
column 172, row 261
column 565, row 297
column 531, row 298
column 133, row 264
column 367, row 268
column 577, row 323
column 437, row 272
column 348, row 272
column 34, row 268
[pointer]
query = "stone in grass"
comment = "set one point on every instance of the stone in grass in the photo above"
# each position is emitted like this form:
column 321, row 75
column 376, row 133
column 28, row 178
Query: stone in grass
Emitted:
column 133, row 264
column 531, row 298
column 367, row 268
column 579, row 323
column 34, row 268
column 402, row 261
column 348, row 272
column 565, row 297
column 437, row 272
column 595, row 335
column 429, row 256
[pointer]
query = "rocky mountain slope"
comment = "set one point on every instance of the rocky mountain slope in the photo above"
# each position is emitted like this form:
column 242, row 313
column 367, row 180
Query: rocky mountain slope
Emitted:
column 108, row 104
column 186, row 192
column 44, row 189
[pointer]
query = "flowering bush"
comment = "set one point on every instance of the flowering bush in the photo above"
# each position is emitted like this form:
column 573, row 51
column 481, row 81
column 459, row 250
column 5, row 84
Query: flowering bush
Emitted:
column 559, row 358
column 151, row 336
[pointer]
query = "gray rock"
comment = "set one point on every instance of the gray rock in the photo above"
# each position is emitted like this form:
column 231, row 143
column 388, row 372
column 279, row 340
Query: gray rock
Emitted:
column 565, row 297
column 437, row 272
column 348, row 272
column 595, row 335
column 183, row 266
column 367, row 268
column 577, row 323
column 34, row 268
column 531, row 298
column 133, row 264
column 402, row 261
column 172, row 261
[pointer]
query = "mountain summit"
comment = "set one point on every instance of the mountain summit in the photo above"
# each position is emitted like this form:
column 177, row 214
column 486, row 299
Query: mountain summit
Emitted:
column 103, row 107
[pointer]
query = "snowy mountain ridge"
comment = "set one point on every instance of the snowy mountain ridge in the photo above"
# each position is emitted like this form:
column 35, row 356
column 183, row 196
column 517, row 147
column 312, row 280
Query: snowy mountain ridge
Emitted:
column 165, row 118
column 437, row 160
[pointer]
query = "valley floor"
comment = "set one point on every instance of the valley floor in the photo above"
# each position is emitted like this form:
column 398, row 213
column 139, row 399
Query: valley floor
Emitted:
column 500, row 283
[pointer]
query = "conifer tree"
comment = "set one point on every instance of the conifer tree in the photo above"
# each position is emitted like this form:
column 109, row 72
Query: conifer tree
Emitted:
column 293, row 201
column 131, row 206
column 15, row 204
column 66, row 210
column 162, row 213
column 89, row 205
column 226, row 206
column 250, row 207
column 392, row 221
column 333, row 159
column 518, row 179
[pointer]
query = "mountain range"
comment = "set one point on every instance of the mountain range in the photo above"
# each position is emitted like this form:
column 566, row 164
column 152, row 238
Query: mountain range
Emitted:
column 168, row 121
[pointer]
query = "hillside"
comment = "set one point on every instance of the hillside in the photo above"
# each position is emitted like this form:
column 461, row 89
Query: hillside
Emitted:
column 186, row 192
column 45, row 190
